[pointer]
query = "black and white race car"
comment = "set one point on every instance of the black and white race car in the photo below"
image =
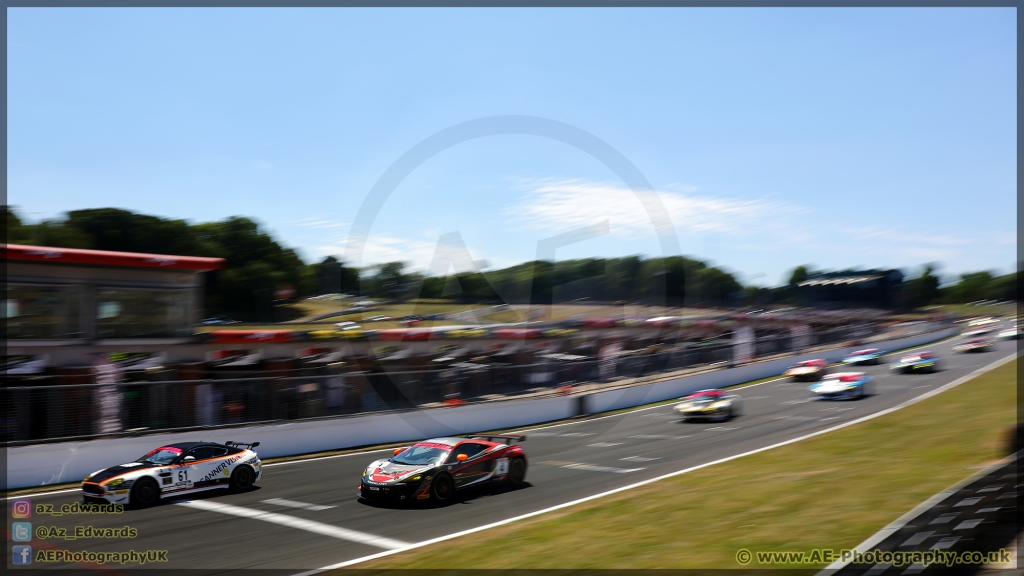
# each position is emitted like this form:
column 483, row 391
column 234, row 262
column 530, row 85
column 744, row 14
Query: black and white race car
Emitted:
column 435, row 469
column 175, row 469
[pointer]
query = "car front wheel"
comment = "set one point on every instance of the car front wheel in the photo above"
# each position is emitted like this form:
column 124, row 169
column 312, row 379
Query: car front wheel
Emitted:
column 145, row 492
column 442, row 488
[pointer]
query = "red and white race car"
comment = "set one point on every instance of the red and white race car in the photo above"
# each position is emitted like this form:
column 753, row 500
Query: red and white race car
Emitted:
column 435, row 469
column 808, row 370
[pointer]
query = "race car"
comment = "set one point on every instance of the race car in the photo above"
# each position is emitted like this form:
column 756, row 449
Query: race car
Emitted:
column 843, row 385
column 979, row 330
column 1010, row 334
column 436, row 469
column 709, row 404
column 808, row 370
column 871, row 356
column 975, row 345
column 919, row 362
column 175, row 469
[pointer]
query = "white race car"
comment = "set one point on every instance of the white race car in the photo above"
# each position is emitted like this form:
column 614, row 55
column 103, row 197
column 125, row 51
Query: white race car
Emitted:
column 1010, row 334
column 710, row 404
column 843, row 385
column 175, row 469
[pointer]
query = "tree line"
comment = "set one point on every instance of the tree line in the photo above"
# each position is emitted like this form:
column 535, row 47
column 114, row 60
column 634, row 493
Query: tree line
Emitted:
column 256, row 265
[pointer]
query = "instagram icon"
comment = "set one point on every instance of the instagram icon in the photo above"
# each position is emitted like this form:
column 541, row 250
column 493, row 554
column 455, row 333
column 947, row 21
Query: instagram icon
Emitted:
column 21, row 509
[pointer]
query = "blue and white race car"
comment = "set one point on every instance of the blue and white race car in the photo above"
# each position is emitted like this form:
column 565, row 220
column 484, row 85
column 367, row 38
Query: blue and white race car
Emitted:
column 1010, row 334
column 919, row 362
column 843, row 385
column 871, row 356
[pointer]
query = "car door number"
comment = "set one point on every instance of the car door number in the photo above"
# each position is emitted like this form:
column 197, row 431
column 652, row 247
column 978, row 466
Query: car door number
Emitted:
column 182, row 477
column 501, row 466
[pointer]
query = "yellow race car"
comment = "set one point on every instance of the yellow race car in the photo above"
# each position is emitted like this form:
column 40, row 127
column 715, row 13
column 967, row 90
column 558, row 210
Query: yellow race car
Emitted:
column 719, row 405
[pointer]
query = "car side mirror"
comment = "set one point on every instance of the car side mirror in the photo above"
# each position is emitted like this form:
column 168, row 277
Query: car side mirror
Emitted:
column 462, row 457
column 398, row 451
column 189, row 459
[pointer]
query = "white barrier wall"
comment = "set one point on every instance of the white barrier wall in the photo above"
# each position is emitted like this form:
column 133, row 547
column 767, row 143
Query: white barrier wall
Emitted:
column 44, row 464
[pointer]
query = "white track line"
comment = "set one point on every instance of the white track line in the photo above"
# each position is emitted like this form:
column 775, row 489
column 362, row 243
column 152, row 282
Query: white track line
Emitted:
column 592, row 468
column 294, row 504
column 635, row 485
column 298, row 523
column 38, row 494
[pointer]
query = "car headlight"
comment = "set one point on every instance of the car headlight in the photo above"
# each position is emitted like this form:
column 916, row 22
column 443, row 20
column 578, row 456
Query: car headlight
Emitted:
column 415, row 478
column 115, row 482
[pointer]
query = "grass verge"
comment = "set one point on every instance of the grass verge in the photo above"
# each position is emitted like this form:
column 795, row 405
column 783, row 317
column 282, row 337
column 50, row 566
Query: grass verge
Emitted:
column 830, row 491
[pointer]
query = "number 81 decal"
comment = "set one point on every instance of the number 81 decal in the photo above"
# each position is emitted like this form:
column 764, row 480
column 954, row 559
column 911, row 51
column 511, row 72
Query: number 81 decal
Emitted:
column 501, row 466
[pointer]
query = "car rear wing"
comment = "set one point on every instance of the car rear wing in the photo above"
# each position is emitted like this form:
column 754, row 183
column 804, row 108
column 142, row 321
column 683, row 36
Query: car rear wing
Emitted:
column 505, row 438
column 243, row 445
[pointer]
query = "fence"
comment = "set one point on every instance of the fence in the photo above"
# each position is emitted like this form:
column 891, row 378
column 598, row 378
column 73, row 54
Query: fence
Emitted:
column 48, row 412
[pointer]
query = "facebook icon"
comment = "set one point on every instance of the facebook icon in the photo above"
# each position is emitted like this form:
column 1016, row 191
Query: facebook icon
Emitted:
column 21, row 555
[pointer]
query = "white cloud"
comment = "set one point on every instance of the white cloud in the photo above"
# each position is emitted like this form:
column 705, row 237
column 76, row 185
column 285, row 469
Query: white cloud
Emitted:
column 897, row 236
column 381, row 248
column 570, row 204
column 319, row 223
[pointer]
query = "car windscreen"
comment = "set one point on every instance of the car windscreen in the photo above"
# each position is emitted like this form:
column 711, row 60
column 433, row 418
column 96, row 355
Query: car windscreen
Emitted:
column 706, row 397
column 422, row 455
column 164, row 455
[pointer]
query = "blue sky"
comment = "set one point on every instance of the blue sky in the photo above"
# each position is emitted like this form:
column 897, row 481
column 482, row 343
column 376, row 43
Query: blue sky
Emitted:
column 773, row 137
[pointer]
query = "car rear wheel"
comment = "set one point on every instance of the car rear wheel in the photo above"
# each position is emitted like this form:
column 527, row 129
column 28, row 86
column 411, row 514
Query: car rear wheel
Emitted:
column 442, row 488
column 242, row 478
column 145, row 492
column 516, row 471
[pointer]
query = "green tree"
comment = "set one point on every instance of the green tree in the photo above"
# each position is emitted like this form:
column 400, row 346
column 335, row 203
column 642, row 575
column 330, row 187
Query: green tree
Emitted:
column 924, row 289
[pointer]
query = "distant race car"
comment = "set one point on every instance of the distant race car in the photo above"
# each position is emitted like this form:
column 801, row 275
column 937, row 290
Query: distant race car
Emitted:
column 979, row 330
column 710, row 404
column 176, row 469
column 975, row 345
column 1010, row 334
column 808, row 370
column 871, row 356
column 843, row 385
column 435, row 469
column 918, row 362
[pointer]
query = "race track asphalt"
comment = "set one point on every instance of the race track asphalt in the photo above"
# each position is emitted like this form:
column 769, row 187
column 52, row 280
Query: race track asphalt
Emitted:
column 268, row 527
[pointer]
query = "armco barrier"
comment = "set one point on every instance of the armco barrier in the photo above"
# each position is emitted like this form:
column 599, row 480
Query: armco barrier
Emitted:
column 45, row 464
